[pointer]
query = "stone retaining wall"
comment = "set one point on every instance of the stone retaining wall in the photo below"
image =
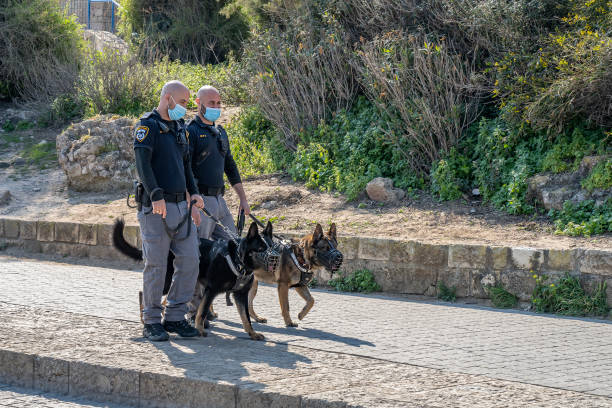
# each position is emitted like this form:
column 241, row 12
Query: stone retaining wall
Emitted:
column 399, row 266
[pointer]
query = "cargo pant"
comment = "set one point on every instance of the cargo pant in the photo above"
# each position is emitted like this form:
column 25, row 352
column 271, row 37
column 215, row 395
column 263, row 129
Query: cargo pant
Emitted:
column 155, row 246
column 208, row 229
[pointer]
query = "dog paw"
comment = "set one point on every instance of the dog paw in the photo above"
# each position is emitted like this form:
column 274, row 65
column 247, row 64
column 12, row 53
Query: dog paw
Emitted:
column 256, row 336
column 291, row 324
column 206, row 324
column 261, row 320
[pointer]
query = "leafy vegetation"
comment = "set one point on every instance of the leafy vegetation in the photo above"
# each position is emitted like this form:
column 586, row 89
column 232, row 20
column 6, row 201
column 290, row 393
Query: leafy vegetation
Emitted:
column 501, row 298
column 359, row 281
column 600, row 176
column 446, row 293
column 567, row 297
column 584, row 218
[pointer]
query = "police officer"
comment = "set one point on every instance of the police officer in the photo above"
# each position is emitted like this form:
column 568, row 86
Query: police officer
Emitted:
column 161, row 147
column 211, row 158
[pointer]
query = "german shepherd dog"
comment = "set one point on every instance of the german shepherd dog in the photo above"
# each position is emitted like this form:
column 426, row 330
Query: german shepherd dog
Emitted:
column 216, row 274
column 310, row 252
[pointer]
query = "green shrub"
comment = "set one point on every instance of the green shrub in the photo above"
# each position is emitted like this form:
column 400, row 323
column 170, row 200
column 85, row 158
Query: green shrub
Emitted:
column 567, row 297
column 501, row 298
column 348, row 152
column 40, row 49
column 450, row 176
column 445, row 293
column 584, row 218
column 503, row 160
column 197, row 31
column 111, row 82
column 255, row 144
column 569, row 149
column 600, row 176
column 359, row 281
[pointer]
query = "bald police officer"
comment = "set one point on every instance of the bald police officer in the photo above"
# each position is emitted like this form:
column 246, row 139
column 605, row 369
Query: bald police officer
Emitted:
column 211, row 158
column 161, row 147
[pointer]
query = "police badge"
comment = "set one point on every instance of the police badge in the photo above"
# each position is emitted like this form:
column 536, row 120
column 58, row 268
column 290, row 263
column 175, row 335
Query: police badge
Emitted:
column 141, row 133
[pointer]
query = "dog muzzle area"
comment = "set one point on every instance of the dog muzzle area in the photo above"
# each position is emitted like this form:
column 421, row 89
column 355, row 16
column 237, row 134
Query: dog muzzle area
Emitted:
column 268, row 259
column 331, row 260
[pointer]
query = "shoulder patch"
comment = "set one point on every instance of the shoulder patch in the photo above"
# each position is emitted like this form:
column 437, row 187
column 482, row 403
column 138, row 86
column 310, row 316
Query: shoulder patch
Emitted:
column 141, row 133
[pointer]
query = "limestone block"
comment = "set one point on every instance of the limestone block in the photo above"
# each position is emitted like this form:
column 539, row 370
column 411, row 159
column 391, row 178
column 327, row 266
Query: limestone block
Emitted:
column 27, row 229
column 88, row 234
column 381, row 189
column 401, row 251
column 261, row 399
column 1, row 227
column 499, row 257
column 460, row 278
column 16, row 368
column 158, row 390
column 105, row 234
column 32, row 246
column 45, row 231
column 435, row 256
column 131, row 234
column 596, row 262
column 67, row 232
column 527, row 258
column 467, row 256
column 11, row 228
column 559, row 260
column 390, row 276
column 374, row 249
column 419, row 280
column 349, row 246
column 104, row 252
column 104, row 383
column 311, row 402
column 51, row 375
column 518, row 282
column 480, row 281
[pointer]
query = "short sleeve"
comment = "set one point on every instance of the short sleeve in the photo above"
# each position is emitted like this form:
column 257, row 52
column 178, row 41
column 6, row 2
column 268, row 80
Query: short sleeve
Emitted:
column 144, row 135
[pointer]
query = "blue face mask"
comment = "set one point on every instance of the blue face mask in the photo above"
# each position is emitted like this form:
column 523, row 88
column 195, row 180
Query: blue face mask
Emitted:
column 177, row 113
column 212, row 114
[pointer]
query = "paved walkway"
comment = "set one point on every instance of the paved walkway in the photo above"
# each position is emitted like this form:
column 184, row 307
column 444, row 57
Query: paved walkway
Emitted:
column 16, row 397
column 563, row 353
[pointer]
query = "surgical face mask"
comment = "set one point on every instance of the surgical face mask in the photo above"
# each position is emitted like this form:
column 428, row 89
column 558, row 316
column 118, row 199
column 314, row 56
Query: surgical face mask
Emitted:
column 177, row 112
column 212, row 114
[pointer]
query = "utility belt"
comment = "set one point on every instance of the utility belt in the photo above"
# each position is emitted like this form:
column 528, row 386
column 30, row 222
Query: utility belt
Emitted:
column 142, row 199
column 211, row 191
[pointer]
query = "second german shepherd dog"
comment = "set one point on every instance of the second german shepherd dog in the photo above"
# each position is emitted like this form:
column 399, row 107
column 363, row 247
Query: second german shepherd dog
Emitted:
column 289, row 275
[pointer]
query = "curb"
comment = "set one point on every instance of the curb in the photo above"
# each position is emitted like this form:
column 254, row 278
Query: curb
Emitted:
column 137, row 388
column 399, row 266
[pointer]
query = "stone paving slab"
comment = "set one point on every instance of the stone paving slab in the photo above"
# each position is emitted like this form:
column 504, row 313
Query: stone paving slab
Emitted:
column 17, row 397
column 350, row 348
column 105, row 359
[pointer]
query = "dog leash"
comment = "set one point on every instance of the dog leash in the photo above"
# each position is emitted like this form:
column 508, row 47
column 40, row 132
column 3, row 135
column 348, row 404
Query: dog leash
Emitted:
column 173, row 232
column 229, row 232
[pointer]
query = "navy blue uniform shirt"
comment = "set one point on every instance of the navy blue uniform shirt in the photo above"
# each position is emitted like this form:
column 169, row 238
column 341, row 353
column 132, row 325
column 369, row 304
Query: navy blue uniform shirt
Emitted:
column 162, row 156
column 211, row 155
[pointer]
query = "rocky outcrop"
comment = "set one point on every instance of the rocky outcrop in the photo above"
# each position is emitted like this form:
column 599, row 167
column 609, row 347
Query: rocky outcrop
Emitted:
column 101, row 40
column 552, row 190
column 381, row 189
column 97, row 154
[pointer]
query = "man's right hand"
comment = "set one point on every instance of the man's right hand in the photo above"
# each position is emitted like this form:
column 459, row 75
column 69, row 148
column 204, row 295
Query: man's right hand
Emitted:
column 159, row 207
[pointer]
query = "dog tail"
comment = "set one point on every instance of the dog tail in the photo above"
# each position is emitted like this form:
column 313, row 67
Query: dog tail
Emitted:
column 121, row 244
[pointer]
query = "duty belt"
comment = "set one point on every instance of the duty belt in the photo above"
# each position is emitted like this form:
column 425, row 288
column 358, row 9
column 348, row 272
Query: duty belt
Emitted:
column 211, row 191
column 175, row 197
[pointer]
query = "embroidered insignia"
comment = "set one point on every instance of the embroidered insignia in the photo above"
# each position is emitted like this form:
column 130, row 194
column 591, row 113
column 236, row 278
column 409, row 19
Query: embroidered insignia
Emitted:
column 203, row 135
column 187, row 134
column 141, row 133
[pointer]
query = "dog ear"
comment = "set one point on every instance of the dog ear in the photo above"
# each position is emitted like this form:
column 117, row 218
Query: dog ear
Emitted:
column 332, row 231
column 253, row 231
column 318, row 233
column 268, row 230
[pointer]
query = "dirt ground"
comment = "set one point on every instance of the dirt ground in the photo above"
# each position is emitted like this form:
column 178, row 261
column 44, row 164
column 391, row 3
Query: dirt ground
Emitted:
column 43, row 194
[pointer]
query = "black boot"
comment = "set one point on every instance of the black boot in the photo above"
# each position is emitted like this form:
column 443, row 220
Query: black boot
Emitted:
column 155, row 332
column 182, row 328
